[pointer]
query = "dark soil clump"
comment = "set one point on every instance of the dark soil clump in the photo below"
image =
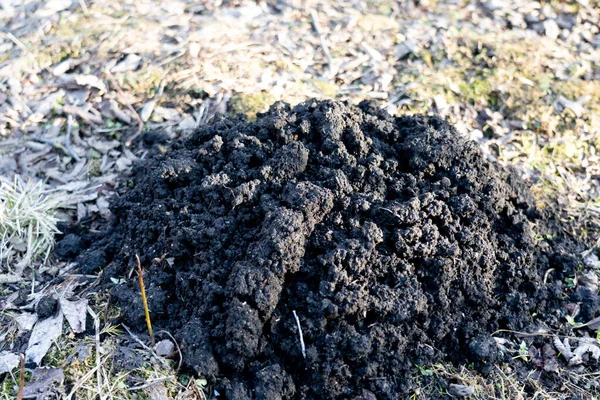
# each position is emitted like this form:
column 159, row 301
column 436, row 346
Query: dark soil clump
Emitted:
column 394, row 241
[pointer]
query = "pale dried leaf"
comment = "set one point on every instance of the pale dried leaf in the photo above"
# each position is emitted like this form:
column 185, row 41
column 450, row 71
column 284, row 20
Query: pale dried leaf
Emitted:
column 592, row 261
column 574, row 106
column 587, row 347
column 158, row 391
column 42, row 336
column 75, row 313
column 129, row 63
column 588, row 280
column 103, row 207
column 104, row 146
column 147, row 110
column 460, row 390
column 25, row 321
column 563, row 347
column 187, row 123
column 79, row 80
column 42, row 383
column 8, row 361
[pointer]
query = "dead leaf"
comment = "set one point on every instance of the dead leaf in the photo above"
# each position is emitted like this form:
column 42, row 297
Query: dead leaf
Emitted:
column 47, row 104
column 104, row 146
column 103, row 207
column 588, row 280
column 158, row 391
column 563, row 347
column 147, row 110
column 460, row 390
column 70, row 63
column 75, row 81
column 586, row 345
column 43, row 382
column 592, row 324
column 574, row 106
column 592, row 261
column 83, row 114
column 25, row 321
column 8, row 361
column 75, row 313
column 550, row 361
column 119, row 114
column 52, row 7
column 44, row 333
column 187, row 124
column 129, row 63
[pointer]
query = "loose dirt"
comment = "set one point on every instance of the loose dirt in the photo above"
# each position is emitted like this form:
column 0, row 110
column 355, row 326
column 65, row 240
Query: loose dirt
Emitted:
column 392, row 239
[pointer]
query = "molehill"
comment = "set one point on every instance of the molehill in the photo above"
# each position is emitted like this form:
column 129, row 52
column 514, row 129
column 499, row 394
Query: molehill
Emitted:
column 391, row 238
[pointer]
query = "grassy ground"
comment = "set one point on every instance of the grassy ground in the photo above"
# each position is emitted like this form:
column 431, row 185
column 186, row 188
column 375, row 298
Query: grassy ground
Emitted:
column 80, row 82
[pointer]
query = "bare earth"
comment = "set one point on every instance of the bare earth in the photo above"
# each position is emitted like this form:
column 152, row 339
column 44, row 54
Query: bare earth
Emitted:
column 85, row 87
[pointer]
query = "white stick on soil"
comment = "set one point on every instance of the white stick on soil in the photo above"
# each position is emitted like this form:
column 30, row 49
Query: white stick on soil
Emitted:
column 300, row 334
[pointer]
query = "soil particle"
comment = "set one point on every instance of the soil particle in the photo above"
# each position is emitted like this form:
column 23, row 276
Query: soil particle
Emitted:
column 69, row 246
column 392, row 238
column 92, row 261
column 46, row 307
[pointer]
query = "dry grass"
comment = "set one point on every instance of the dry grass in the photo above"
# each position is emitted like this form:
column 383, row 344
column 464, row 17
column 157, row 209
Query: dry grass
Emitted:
column 27, row 225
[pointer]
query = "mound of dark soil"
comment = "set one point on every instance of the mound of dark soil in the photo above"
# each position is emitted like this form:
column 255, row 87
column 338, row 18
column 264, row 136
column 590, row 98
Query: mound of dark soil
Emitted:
column 392, row 239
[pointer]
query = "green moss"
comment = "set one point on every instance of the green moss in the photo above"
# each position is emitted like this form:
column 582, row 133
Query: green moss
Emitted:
column 251, row 104
column 478, row 90
column 326, row 88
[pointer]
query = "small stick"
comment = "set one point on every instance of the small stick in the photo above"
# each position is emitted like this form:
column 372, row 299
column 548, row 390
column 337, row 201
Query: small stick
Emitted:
column 68, row 138
column 97, row 339
column 315, row 23
column 84, row 8
column 300, row 334
column 144, row 299
column 21, row 378
column 148, row 384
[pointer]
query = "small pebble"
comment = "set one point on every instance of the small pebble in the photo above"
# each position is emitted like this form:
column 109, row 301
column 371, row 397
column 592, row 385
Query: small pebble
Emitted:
column 164, row 348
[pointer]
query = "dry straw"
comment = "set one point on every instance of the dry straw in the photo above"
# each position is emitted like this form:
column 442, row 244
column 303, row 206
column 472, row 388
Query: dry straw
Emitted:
column 28, row 225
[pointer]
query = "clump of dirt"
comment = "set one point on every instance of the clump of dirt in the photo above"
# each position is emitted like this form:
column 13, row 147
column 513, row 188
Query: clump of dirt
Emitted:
column 391, row 238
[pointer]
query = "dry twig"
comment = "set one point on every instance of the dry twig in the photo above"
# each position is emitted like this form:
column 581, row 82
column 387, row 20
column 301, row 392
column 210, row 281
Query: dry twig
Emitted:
column 300, row 334
column 315, row 23
column 21, row 378
column 144, row 299
column 97, row 340
column 154, row 382
column 139, row 341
